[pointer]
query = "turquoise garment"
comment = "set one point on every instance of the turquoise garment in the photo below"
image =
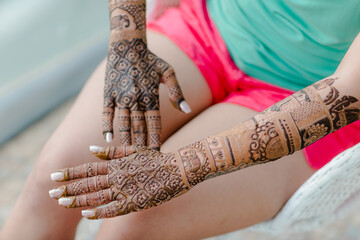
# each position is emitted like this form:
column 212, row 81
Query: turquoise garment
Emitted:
column 289, row 43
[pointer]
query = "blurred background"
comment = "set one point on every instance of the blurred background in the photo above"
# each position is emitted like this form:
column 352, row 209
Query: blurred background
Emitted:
column 48, row 49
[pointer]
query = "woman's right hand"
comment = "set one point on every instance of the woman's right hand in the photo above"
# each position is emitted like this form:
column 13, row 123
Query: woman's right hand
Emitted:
column 133, row 76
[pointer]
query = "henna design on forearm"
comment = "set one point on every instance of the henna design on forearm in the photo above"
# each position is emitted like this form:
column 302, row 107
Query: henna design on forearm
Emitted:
column 288, row 126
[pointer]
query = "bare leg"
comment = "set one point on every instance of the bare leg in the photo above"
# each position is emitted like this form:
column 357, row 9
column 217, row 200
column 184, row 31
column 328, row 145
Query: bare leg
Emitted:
column 219, row 205
column 39, row 216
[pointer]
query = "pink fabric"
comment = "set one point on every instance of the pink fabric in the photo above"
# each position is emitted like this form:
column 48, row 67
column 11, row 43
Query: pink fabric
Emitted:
column 190, row 27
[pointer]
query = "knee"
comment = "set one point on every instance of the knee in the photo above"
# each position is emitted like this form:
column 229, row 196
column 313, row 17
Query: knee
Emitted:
column 51, row 158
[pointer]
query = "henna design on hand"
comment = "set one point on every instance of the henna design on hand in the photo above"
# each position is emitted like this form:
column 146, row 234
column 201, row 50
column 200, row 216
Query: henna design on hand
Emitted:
column 133, row 76
column 139, row 181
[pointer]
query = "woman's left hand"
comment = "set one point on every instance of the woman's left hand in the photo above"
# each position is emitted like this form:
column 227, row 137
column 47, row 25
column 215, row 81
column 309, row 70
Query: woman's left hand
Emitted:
column 133, row 179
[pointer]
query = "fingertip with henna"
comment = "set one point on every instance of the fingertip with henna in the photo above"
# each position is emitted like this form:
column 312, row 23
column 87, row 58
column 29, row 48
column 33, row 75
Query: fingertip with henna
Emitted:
column 55, row 193
column 88, row 213
column 108, row 137
column 57, row 176
column 185, row 107
column 66, row 201
column 100, row 152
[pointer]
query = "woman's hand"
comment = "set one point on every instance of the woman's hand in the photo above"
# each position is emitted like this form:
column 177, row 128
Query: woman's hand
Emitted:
column 132, row 86
column 132, row 80
column 144, row 179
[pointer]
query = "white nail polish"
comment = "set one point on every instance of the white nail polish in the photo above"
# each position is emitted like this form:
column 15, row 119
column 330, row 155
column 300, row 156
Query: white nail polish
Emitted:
column 108, row 137
column 96, row 149
column 65, row 201
column 185, row 107
column 58, row 176
column 88, row 213
column 55, row 193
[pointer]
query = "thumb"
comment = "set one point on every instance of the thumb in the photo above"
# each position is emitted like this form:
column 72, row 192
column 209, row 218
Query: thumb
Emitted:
column 175, row 94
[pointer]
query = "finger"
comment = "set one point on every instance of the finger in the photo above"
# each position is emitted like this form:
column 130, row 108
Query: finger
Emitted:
column 174, row 90
column 91, row 199
column 153, row 122
column 124, row 127
column 108, row 211
column 138, row 127
column 86, row 185
column 82, row 171
column 107, row 122
column 107, row 153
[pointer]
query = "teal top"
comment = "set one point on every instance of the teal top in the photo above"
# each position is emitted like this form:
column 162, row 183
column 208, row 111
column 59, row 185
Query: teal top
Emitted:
column 289, row 43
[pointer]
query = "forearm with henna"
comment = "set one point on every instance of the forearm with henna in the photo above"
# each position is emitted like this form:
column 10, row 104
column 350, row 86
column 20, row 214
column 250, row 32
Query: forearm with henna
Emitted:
column 133, row 76
column 288, row 126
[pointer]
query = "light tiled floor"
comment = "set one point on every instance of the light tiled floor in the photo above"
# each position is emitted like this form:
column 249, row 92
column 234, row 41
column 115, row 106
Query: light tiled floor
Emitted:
column 19, row 154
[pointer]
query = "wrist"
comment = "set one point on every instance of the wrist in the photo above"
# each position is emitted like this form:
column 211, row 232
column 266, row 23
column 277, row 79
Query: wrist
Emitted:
column 194, row 163
column 127, row 19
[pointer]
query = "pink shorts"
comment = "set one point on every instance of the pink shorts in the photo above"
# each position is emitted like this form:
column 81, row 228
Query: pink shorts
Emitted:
column 190, row 27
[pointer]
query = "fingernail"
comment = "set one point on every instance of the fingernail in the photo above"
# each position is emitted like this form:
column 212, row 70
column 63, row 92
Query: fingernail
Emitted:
column 58, row 176
column 55, row 193
column 66, row 201
column 108, row 137
column 96, row 149
column 100, row 152
column 185, row 107
column 88, row 213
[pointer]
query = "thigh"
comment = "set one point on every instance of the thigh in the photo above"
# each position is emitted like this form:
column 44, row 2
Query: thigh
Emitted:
column 219, row 205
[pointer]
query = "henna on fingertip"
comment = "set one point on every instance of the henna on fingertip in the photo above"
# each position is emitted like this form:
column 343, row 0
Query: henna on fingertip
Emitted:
column 81, row 171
